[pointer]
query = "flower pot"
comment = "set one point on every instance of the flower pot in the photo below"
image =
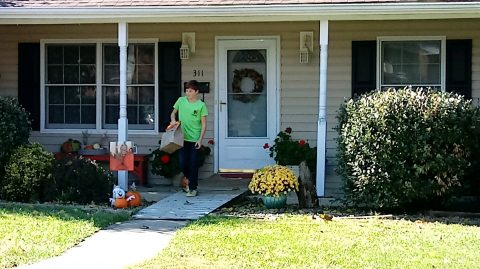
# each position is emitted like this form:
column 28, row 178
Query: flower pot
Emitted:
column 295, row 169
column 272, row 202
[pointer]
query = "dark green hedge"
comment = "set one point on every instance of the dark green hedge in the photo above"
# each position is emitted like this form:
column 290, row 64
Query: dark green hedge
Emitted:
column 406, row 148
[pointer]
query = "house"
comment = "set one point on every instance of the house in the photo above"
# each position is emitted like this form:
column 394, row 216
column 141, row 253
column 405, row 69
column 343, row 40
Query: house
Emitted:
column 264, row 66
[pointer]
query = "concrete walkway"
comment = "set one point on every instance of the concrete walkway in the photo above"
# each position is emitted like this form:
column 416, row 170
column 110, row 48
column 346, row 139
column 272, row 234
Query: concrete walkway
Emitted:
column 150, row 230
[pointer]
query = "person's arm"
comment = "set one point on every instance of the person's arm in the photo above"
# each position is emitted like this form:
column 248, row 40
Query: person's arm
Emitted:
column 202, row 133
column 173, row 116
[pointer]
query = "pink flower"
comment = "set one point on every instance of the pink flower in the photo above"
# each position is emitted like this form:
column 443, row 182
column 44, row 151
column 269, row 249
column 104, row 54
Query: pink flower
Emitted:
column 288, row 130
column 266, row 146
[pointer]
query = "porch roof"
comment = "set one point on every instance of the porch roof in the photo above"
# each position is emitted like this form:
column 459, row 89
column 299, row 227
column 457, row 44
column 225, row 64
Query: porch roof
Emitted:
column 158, row 11
column 190, row 3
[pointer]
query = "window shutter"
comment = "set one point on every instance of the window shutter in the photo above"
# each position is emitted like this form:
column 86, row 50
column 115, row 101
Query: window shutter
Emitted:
column 29, row 80
column 364, row 59
column 459, row 67
column 169, row 80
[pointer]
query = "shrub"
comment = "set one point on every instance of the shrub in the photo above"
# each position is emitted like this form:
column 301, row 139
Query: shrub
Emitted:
column 168, row 164
column 29, row 175
column 14, row 128
column 82, row 181
column 405, row 148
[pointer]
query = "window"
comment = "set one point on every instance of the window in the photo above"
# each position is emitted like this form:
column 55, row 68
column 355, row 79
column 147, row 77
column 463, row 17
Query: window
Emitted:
column 82, row 85
column 140, row 86
column 419, row 63
column 70, row 86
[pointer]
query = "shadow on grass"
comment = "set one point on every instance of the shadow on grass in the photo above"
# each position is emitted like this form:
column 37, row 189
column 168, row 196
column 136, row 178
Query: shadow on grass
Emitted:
column 100, row 216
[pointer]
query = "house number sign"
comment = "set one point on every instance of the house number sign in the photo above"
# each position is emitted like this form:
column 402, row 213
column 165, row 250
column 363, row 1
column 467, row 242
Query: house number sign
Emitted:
column 198, row 73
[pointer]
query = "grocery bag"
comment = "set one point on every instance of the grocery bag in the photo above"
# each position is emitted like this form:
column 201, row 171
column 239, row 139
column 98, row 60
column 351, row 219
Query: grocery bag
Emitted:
column 172, row 139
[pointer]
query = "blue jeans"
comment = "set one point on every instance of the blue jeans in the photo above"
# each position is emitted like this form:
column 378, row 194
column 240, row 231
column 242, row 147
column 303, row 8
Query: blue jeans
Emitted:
column 188, row 163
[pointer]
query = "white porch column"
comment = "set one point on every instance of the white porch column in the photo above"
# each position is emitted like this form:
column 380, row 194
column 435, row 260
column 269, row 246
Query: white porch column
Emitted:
column 122, row 120
column 322, row 109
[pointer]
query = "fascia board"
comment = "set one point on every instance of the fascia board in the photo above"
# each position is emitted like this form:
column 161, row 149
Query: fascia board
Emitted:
column 272, row 13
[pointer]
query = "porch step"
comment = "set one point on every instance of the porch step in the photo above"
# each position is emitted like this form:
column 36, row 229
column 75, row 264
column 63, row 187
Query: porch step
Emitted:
column 236, row 175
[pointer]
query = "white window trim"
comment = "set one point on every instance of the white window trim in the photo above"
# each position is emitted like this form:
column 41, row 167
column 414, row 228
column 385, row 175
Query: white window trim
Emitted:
column 99, row 61
column 443, row 64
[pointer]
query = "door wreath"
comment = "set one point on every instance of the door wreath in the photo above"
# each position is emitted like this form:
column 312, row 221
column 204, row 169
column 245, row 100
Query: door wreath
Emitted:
column 237, row 84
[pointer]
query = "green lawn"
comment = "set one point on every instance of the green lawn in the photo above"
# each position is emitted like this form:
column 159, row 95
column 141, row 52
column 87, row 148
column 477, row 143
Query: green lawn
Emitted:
column 30, row 233
column 303, row 242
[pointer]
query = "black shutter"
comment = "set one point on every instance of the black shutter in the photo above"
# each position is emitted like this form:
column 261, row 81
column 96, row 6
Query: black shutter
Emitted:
column 364, row 59
column 29, row 80
column 459, row 67
column 169, row 80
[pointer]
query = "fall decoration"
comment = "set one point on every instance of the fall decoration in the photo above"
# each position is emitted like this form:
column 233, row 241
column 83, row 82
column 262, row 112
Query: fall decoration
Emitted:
column 168, row 165
column 273, row 180
column 237, row 85
column 133, row 197
column 184, row 182
column 120, row 203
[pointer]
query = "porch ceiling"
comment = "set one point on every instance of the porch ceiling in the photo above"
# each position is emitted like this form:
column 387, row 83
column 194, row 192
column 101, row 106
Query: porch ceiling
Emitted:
column 135, row 11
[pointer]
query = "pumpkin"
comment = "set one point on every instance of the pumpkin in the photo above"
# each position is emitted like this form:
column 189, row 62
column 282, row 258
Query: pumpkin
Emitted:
column 184, row 182
column 120, row 203
column 134, row 198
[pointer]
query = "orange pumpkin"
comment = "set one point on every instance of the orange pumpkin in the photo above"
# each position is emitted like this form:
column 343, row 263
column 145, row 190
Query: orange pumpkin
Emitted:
column 120, row 203
column 184, row 182
column 134, row 198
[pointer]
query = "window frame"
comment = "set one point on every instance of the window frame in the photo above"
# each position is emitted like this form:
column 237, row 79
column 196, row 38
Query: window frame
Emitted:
column 443, row 65
column 98, row 84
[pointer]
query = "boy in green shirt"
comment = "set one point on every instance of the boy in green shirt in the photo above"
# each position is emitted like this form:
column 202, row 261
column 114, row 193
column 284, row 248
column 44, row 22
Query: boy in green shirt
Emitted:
column 193, row 117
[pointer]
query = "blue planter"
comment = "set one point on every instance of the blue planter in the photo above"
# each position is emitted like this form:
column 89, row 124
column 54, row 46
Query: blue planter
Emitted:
column 272, row 202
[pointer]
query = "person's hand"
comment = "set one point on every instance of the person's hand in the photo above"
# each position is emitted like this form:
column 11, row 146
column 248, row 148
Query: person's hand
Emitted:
column 198, row 145
column 171, row 125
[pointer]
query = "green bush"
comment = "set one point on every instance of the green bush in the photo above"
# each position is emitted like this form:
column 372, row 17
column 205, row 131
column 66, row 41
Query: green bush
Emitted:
column 29, row 175
column 82, row 181
column 406, row 148
column 168, row 164
column 14, row 128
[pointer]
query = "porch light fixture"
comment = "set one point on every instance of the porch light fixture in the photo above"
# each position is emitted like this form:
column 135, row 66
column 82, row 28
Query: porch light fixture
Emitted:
column 188, row 45
column 306, row 46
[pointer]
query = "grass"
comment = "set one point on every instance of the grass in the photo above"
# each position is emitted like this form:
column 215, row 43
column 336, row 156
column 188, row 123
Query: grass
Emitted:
column 30, row 233
column 299, row 241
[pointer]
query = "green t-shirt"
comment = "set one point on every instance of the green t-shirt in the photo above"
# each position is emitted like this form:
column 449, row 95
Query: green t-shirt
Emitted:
column 190, row 116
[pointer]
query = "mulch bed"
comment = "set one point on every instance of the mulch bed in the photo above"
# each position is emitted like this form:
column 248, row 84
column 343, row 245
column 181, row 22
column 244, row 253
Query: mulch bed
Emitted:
column 252, row 207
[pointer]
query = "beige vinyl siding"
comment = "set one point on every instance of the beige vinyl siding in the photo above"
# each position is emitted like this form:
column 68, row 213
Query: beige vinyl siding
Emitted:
column 299, row 82
column 339, row 64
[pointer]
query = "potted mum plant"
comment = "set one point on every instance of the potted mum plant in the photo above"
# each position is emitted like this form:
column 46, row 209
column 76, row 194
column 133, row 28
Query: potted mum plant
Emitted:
column 273, row 182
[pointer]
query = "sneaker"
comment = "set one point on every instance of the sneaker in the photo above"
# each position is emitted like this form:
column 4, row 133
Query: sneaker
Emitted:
column 191, row 193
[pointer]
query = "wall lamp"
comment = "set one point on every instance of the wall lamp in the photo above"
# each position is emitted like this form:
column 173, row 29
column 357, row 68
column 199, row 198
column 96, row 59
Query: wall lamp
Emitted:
column 188, row 45
column 306, row 46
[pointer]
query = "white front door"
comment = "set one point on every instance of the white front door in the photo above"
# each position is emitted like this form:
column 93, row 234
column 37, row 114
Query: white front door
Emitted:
column 247, row 102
